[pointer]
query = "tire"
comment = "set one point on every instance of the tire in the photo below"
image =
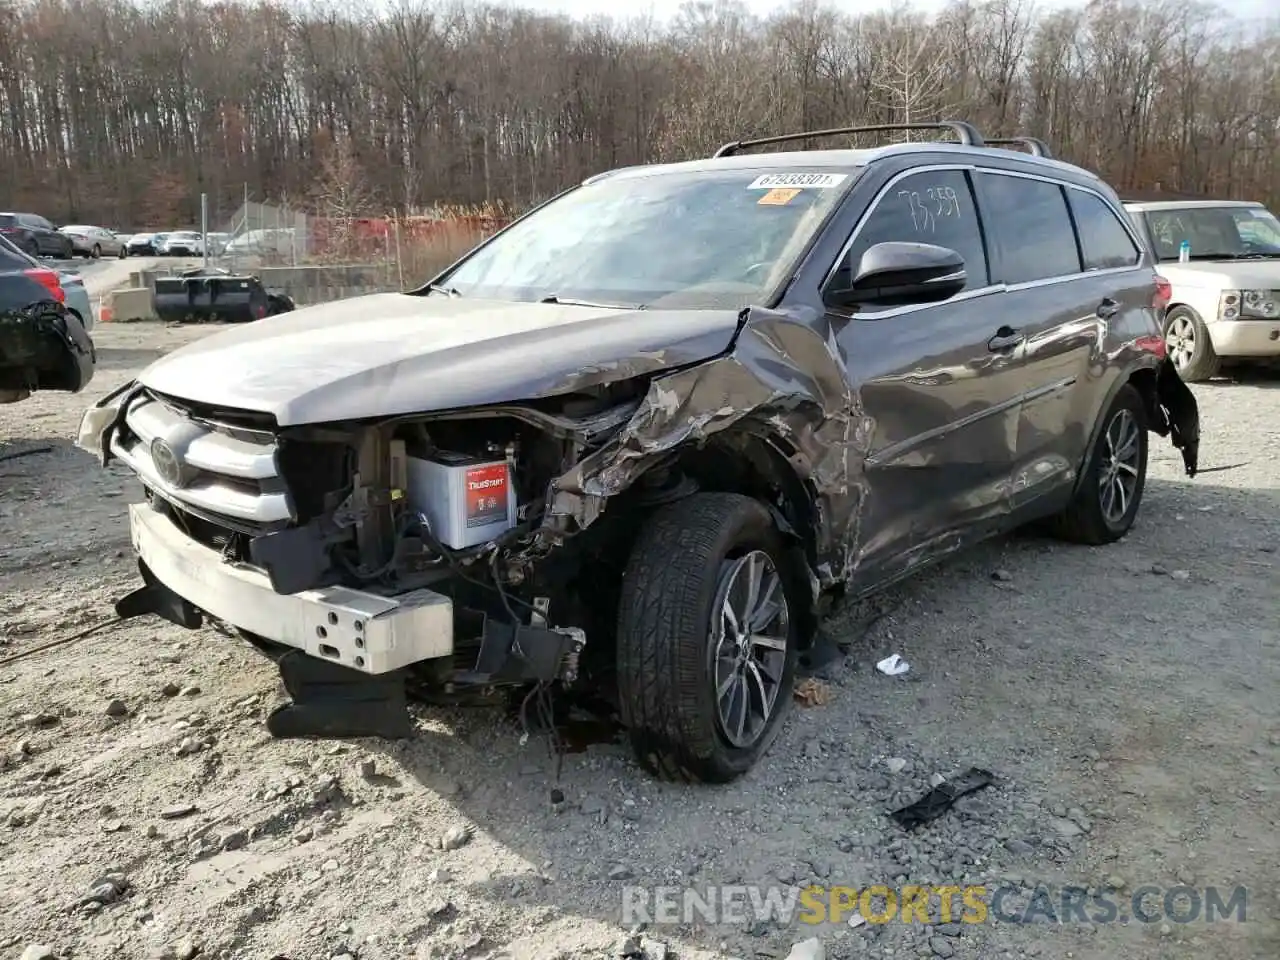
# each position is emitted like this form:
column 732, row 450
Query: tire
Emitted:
column 123, row 254
column 686, row 557
column 96, row 253
column 31, row 248
column 1186, row 338
column 1087, row 519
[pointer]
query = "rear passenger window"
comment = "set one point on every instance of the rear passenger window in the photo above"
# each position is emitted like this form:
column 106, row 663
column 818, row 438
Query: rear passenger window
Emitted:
column 1033, row 228
column 935, row 207
column 1103, row 238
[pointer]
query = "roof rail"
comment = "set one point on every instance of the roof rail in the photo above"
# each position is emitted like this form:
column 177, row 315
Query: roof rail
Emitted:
column 966, row 133
column 1035, row 147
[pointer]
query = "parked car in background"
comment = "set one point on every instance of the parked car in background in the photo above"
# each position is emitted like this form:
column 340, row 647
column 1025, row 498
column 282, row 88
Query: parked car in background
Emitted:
column 36, row 235
column 93, row 241
column 43, row 344
column 181, row 243
column 77, row 297
column 218, row 243
column 262, row 243
column 143, row 244
column 1225, row 302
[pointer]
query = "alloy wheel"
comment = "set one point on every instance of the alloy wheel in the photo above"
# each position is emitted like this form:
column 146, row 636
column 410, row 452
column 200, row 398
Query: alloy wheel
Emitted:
column 1118, row 478
column 1180, row 340
column 750, row 631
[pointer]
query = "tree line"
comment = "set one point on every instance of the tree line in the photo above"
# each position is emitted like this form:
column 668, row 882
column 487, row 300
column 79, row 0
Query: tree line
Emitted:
column 123, row 112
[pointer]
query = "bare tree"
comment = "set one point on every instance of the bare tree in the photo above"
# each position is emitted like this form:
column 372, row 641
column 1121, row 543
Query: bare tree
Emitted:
column 125, row 111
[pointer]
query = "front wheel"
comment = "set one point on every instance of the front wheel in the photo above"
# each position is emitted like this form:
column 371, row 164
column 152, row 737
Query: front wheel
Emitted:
column 706, row 638
column 1115, row 473
column 96, row 253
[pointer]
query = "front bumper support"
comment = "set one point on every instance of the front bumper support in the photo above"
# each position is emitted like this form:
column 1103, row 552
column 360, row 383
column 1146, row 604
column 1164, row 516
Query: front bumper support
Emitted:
column 365, row 632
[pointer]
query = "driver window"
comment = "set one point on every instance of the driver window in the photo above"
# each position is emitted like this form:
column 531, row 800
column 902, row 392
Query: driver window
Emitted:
column 933, row 206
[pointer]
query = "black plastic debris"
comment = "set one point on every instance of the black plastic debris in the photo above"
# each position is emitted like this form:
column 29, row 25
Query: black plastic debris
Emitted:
column 939, row 800
column 216, row 296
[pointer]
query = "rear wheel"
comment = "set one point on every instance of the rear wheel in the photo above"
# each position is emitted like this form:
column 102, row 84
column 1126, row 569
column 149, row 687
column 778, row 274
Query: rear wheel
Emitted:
column 706, row 638
column 1187, row 340
column 1110, row 491
column 97, row 251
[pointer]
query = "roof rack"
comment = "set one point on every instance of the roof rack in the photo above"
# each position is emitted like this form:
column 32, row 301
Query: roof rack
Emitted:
column 966, row 133
column 1035, row 147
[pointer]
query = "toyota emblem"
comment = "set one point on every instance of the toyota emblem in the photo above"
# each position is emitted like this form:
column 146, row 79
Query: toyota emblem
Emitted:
column 166, row 462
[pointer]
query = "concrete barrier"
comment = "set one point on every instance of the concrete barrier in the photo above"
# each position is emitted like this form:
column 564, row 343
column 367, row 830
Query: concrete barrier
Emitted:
column 129, row 305
column 321, row 284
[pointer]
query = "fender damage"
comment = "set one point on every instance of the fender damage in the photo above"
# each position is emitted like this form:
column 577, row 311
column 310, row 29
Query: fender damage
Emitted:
column 42, row 347
column 779, row 380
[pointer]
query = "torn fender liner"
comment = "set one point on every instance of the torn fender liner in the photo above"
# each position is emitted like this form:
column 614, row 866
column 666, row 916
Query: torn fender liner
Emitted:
column 330, row 700
column 1181, row 413
column 939, row 800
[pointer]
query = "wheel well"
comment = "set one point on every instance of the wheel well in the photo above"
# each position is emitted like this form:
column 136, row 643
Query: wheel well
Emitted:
column 747, row 463
column 741, row 461
column 1144, row 381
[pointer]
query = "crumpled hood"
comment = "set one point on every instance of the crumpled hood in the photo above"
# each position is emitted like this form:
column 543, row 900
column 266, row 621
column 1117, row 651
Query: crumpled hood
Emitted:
column 1224, row 274
column 392, row 353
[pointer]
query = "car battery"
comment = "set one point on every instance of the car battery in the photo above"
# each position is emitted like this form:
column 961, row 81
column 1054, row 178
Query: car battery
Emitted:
column 467, row 501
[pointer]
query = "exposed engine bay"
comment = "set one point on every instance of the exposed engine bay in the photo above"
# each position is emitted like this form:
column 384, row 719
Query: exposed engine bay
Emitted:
column 455, row 504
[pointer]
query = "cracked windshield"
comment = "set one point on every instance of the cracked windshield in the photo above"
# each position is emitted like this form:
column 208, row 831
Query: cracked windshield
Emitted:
column 677, row 241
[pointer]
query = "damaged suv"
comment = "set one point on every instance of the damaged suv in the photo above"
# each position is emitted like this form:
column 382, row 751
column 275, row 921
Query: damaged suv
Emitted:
column 641, row 440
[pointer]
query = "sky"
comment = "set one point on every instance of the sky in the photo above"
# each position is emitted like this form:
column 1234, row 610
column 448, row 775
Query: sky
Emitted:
column 664, row 9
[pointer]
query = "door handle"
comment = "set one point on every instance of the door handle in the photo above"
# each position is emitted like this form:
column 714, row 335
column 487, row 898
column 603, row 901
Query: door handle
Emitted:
column 1108, row 308
column 1006, row 338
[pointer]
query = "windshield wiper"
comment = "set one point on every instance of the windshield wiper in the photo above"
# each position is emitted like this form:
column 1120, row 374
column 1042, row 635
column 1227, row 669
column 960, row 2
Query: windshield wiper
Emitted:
column 570, row 302
column 447, row 291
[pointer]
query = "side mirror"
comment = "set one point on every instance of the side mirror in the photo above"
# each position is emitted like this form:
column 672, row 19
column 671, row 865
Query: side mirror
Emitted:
column 898, row 275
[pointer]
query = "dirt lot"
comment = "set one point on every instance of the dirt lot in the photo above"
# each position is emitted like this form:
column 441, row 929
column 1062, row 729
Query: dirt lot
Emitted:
column 1125, row 696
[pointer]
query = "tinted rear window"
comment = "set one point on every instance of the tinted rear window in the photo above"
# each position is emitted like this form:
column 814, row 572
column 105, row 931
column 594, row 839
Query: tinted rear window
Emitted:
column 1105, row 241
column 1030, row 218
column 8, row 220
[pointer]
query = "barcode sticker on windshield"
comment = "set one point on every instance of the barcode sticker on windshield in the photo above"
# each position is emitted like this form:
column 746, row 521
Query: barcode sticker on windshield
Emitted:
column 817, row 181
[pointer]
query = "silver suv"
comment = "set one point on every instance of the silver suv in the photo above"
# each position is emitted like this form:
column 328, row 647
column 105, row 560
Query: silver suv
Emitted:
column 638, row 442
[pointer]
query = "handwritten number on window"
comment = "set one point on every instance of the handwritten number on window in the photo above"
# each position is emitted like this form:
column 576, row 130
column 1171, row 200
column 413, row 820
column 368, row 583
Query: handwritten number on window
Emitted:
column 937, row 202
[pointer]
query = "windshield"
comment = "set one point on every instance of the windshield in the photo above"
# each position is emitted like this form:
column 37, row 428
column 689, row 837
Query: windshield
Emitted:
column 1215, row 233
column 686, row 240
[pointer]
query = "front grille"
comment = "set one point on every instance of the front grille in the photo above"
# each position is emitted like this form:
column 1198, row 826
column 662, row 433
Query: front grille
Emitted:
column 228, row 472
column 233, row 544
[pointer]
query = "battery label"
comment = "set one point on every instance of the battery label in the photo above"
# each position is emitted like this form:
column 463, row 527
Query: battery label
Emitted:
column 486, row 495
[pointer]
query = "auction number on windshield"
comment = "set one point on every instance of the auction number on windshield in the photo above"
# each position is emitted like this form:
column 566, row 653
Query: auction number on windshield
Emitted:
column 927, row 207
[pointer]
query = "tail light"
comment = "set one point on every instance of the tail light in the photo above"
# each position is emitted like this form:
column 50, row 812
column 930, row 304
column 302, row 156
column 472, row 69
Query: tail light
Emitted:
column 1163, row 294
column 48, row 278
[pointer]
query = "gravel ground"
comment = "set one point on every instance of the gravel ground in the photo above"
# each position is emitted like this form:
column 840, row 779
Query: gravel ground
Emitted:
column 1125, row 697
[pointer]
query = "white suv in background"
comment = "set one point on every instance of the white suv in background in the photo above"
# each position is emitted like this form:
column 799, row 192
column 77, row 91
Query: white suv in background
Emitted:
column 1226, row 292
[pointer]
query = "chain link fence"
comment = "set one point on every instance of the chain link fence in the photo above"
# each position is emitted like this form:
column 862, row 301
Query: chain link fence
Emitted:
column 400, row 251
